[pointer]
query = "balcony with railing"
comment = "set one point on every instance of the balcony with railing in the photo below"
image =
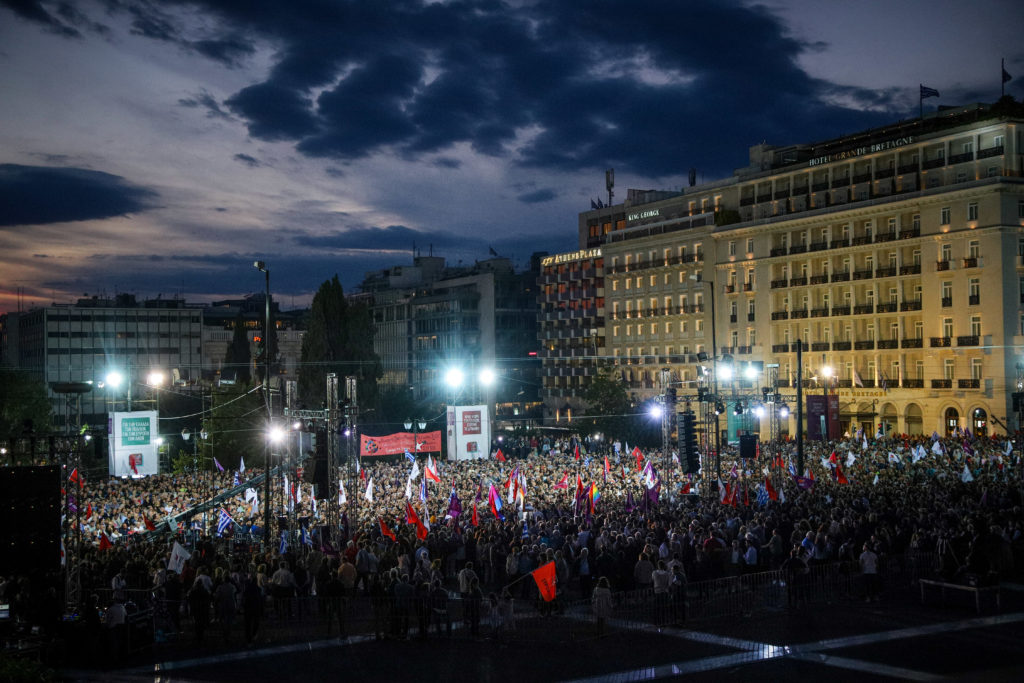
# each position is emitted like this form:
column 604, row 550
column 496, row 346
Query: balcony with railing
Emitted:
column 888, row 343
column 968, row 340
column 862, row 309
column 968, row 383
column 766, row 197
column 864, row 274
column 885, row 237
column 884, row 173
column 797, row 282
column 819, row 346
column 906, row 168
column 819, row 279
column 861, row 240
column 732, row 317
column 842, row 345
column 940, row 342
column 819, row 312
column 942, row 384
column 779, row 284
column 864, row 345
column 913, row 343
column 729, row 289
column 862, row 178
column 798, row 314
column 990, row 152
column 798, row 249
column 841, row 276
column 780, row 348
column 817, row 246
column 885, row 272
column 973, row 299
column 746, row 201
column 913, row 305
column 744, row 350
column 908, row 234
column 971, row 262
column 933, row 163
column 961, row 158
column 750, row 317
column 913, row 383
column 941, row 265
column 794, row 346
column 840, row 243
column 841, row 182
column 911, row 269
column 781, row 194
column 840, row 310
column 780, row 315
column 778, row 251
column 819, row 187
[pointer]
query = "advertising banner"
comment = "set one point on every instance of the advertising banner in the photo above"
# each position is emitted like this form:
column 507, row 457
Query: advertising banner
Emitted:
column 133, row 446
column 823, row 416
column 399, row 443
column 469, row 432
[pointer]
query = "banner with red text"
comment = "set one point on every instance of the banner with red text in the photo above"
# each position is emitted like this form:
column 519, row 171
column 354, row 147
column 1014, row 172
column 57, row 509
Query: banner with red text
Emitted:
column 399, row 443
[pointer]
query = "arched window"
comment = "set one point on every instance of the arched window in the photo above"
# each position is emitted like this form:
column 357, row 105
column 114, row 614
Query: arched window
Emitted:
column 979, row 422
column 952, row 420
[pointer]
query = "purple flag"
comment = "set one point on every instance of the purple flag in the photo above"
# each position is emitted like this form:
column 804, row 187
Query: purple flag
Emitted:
column 630, row 505
column 652, row 495
column 220, row 468
column 454, row 506
column 804, row 482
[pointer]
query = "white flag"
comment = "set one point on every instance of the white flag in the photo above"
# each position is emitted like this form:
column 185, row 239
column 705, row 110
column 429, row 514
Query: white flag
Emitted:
column 408, row 488
column 241, row 465
column 966, row 475
column 415, row 470
column 179, row 556
column 1009, row 447
column 851, row 458
column 937, row 448
column 250, row 493
column 342, row 498
column 298, row 492
column 369, row 490
column 875, row 482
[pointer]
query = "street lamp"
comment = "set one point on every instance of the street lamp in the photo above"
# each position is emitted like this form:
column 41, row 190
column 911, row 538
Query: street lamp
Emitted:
column 114, row 379
column 155, row 380
column 262, row 267
column 413, row 424
column 826, row 372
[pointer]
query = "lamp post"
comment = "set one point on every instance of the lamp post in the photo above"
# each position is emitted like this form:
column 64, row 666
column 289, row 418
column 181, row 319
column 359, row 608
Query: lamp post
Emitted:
column 413, row 424
column 114, row 379
column 826, row 372
column 262, row 267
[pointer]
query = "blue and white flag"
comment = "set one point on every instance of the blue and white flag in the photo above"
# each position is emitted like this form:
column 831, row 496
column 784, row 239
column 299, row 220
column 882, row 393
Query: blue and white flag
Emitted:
column 236, row 481
column 423, row 489
column 241, row 465
column 762, row 496
column 928, row 92
column 224, row 522
column 283, row 548
column 304, row 537
column 410, row 455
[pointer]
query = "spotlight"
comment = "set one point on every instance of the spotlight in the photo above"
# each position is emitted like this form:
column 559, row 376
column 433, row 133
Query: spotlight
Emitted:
column 719, row 408
column 738, row 410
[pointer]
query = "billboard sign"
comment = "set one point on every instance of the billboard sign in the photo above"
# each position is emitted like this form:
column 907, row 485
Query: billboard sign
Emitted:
column 133, row 444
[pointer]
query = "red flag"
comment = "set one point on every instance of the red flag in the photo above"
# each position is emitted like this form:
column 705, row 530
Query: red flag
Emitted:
column 832, row 458
column 840, row 477
column 500, row 456
column 724, row 492
column 149, row 523
column 412, row 518
column 362, row 474
column 131, row 463
column 639, row 458
column 563, row 483
column 579, row 485
column 746, row 496
column 686, row 489
column 105, row 543
column 545, row 578
column 475, row 520
column 772, row 493
column 577, row 451
column 384, row 530
column 607, row 468
column 88, row 511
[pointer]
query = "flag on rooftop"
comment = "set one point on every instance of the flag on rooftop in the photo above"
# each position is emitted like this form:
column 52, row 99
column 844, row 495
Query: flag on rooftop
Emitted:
column 929, row 92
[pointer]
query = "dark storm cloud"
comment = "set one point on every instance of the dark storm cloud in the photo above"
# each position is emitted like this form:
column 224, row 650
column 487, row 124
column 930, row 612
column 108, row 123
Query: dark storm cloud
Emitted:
column 537, row 196
column 251, row 162
column 651, row 86
column 33, row 195
column 204, row 100
column 36, row 12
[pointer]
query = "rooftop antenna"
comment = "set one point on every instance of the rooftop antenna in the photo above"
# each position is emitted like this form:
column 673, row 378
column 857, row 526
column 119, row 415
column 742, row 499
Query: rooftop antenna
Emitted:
column 609, row 183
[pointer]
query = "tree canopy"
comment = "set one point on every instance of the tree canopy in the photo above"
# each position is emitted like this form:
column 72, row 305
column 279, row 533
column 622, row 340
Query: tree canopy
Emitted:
column 23, row 402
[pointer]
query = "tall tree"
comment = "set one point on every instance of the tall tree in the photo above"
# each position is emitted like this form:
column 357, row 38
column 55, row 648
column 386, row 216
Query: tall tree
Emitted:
column 238, row 358
column 23, row 402
column 339, row 339
column 608, row 406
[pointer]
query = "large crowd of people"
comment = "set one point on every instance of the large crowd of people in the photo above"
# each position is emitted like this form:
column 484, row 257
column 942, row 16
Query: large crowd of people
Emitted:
column 611, row 518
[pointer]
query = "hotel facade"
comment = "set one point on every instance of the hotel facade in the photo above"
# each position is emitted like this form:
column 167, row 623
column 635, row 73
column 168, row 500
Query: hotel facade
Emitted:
column 893, row 259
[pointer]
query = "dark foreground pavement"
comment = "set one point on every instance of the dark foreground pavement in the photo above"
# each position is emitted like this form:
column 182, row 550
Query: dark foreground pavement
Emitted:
column 846, row 642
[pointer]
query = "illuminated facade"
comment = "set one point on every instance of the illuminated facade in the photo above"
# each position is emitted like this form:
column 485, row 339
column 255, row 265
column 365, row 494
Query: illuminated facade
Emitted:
column 894, row 256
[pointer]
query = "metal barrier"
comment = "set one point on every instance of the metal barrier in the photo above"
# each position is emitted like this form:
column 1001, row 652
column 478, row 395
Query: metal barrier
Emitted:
column 314, row 617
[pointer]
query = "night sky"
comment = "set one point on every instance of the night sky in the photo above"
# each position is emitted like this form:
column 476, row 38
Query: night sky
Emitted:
column 161, row 147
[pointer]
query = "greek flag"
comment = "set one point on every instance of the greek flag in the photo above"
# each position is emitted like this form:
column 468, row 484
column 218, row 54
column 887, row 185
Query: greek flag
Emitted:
column 410, row 455
column 928, row 92
column 224, row 521
column 762, row 496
